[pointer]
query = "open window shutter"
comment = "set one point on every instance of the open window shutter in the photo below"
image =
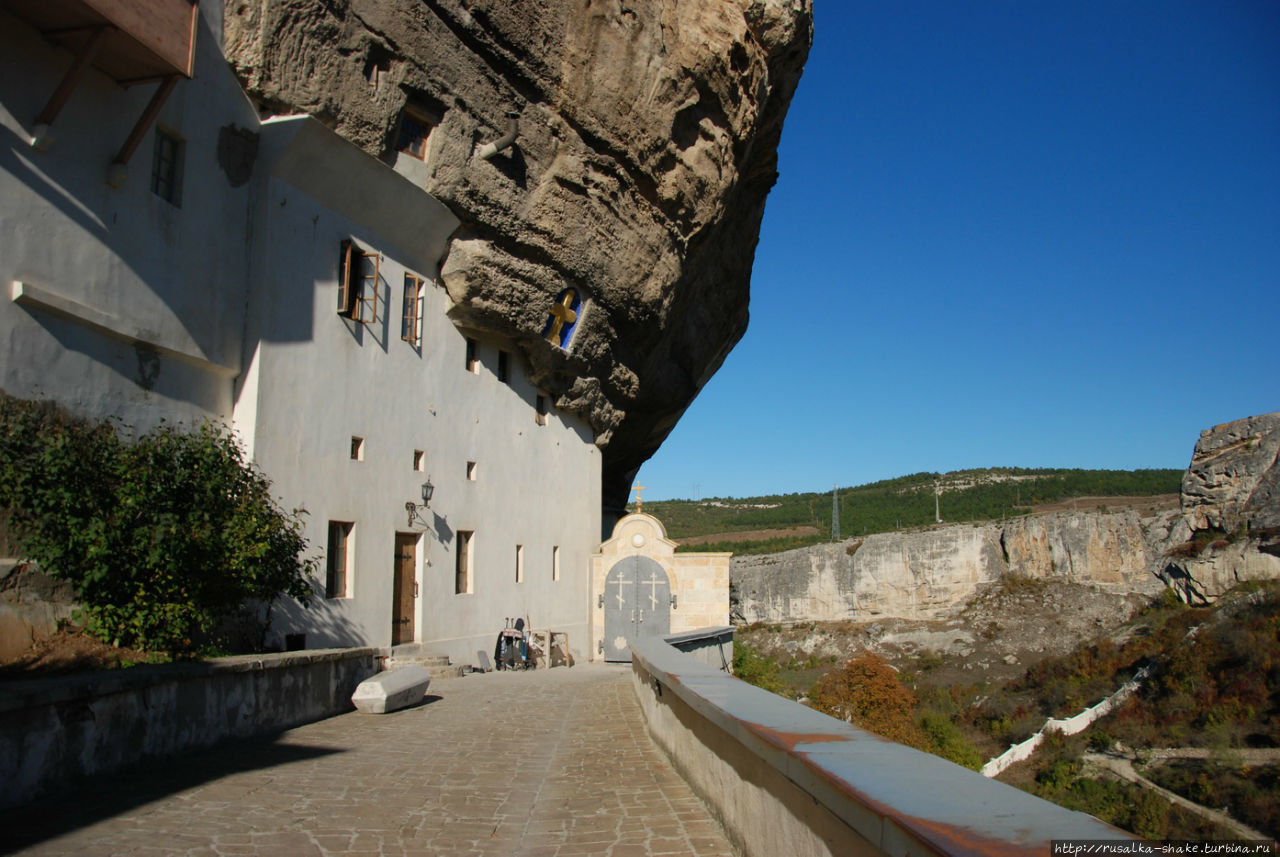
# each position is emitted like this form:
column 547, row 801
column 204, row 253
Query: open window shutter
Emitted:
column 346, row 280
column 373, row 288
column 410, row 312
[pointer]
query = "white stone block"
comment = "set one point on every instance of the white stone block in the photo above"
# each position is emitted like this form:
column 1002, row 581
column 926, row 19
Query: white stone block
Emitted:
column 392, row 690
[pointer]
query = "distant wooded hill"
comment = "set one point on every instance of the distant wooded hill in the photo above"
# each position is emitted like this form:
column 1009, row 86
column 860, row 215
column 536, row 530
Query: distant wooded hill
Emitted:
column 783, row 521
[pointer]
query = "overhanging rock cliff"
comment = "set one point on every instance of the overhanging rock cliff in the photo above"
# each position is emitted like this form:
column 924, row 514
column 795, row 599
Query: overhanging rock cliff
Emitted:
column 646, row 144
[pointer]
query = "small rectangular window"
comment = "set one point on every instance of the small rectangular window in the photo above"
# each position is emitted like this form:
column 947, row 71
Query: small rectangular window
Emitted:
column 411, row 321
column 337, row 559
column 166, row 167
column 471, row 471
column 357, row 448
column 540, row 408
column 419, row 460
column 462, row 570
column 519, row 563
column 411, row 137
column 555, row 562
column 504, row 366
column 358, row 283
column 473, row 356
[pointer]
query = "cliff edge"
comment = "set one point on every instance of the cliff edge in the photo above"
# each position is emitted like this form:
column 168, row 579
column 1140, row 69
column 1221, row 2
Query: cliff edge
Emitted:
column 645, row 144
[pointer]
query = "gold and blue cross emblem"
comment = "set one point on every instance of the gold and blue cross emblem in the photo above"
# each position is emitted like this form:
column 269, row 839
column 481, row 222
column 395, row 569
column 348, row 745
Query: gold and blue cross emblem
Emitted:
column 563, row 319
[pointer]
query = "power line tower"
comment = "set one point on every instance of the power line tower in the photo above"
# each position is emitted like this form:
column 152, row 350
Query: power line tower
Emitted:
column 835, row 513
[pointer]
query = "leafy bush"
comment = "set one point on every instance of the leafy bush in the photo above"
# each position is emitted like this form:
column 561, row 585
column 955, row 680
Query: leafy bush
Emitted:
column 754, row 669
column 162, row 538
column 867, row 692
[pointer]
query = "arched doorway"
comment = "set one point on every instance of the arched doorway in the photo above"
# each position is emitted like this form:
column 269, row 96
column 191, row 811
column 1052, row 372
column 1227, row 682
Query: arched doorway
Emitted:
column 637, row 603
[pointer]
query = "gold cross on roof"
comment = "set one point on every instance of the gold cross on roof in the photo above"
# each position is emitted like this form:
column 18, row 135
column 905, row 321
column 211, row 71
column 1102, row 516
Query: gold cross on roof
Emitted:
column 639, row 502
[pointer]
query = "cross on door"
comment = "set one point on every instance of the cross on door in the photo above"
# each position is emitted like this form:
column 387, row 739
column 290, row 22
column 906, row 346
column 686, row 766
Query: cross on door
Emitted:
column 622, row 584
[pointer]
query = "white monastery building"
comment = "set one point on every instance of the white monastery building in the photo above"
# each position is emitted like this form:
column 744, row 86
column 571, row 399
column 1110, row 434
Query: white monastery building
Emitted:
column 167, row 254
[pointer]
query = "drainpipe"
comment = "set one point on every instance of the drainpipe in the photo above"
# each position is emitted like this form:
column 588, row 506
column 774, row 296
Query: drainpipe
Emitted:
column 488, row 150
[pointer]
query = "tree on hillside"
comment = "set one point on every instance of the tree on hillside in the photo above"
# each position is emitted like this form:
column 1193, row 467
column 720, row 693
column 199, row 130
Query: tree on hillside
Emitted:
column 163, row 538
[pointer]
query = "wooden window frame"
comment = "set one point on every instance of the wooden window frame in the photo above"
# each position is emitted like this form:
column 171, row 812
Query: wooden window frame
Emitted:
column 411, row 322
column 357, row 287
column 166, row 166
column 338, row 560
column 411, row 143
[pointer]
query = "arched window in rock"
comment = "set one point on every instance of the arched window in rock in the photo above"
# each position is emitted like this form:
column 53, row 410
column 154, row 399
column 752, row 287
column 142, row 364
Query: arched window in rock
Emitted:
column 563, row 319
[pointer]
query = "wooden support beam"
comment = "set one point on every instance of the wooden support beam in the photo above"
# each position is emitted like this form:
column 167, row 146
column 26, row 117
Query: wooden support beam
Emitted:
column 144, row 121
column 72, row 77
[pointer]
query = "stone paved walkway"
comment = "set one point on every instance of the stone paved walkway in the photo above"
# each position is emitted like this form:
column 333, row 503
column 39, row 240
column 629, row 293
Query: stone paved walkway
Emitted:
column 552, row 762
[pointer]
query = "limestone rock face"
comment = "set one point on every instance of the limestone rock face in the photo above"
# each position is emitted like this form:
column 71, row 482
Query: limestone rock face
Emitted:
column 1234, row 477
column 932, row 574
column 907, row 575
column 1105, row 549
column 646, row 145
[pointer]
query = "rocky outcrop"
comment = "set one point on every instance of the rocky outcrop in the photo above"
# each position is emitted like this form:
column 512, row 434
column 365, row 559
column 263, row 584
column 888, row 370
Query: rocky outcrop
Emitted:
column 646, row 144
column 1234, row 478
column 932, row 574
column 1231, row 510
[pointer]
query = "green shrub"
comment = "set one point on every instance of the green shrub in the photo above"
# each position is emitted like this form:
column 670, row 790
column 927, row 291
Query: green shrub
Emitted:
column 754, row 669
column 162, row 538
column 945, row 740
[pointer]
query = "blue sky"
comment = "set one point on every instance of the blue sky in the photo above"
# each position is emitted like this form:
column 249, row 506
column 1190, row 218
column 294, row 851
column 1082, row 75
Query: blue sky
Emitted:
column 1035, row 234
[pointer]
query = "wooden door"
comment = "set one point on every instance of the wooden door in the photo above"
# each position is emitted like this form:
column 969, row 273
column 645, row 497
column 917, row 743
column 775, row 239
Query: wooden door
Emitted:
column 405, row 589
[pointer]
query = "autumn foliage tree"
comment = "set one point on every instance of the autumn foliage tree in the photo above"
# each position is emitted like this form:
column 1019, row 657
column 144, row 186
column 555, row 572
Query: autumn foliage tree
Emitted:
column 867, row 692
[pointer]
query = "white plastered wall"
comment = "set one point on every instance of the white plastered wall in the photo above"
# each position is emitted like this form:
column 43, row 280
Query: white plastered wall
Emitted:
column 113, row 301
column 318, row 379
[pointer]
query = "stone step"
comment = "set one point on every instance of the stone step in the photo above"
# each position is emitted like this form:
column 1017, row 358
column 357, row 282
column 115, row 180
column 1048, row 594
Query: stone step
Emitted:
column 406, row 654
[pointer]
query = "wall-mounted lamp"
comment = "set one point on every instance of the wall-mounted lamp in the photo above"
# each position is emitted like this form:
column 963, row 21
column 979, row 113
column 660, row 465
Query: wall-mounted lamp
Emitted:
column 427, row 490
column 673, row 601
column 411, row 508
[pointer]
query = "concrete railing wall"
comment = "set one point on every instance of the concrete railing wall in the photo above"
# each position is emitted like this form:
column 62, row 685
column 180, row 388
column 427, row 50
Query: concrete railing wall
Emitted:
column 56, row 732
column 785, row 779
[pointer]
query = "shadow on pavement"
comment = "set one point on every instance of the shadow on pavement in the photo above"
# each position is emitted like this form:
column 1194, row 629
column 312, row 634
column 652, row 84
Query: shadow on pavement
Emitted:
column 114, row 793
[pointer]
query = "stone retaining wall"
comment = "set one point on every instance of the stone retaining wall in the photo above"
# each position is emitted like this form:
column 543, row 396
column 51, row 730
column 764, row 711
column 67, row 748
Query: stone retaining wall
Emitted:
column 55, row 732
